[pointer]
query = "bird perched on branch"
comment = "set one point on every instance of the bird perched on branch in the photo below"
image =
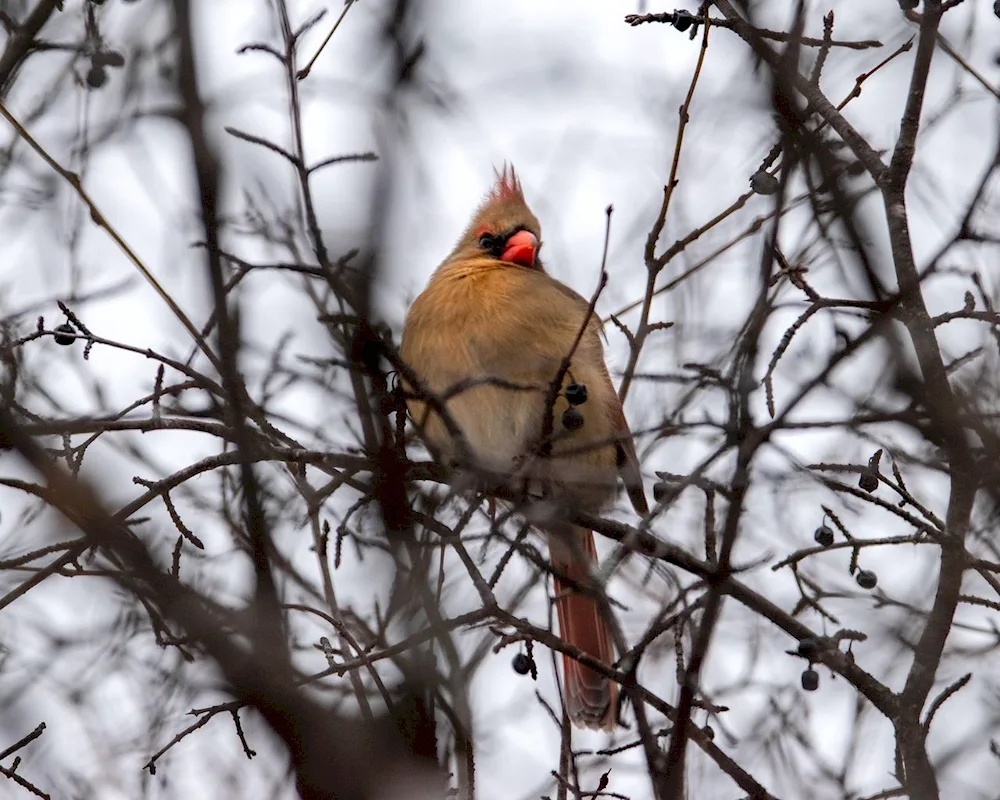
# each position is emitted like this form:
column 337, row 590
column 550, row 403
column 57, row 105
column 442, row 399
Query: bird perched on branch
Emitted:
column 514, row 359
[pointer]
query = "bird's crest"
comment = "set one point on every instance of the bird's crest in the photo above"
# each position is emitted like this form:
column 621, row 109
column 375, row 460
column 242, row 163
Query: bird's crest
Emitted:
column 507, row 186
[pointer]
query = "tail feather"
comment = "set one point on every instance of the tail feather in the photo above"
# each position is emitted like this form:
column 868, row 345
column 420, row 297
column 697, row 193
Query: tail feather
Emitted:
column 591, row 699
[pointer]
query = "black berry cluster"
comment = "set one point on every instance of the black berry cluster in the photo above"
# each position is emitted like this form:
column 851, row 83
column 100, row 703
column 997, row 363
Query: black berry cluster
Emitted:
column 576, row 395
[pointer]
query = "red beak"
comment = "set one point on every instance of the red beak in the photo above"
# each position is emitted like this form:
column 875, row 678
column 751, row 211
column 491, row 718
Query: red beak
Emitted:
column 521, row 248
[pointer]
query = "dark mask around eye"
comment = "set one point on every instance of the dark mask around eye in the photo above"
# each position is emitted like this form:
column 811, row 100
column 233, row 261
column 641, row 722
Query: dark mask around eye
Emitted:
column 492, row 244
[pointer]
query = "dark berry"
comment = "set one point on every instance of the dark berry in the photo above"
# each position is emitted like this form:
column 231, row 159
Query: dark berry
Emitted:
column 824, row 535
column 572, row 419
column 866, row 579
column 708, row 731
column 908, row 5
column 682, row 21
column 810, row 680
column 661, row 491
column 65, row 334
column 763, row 182
column 521, row 664
column 868, row 481
column 97, row 76
column 808, row 648
column 576, row 394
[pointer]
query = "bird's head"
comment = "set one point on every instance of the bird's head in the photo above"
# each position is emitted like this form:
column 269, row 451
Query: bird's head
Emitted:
column 503, row 227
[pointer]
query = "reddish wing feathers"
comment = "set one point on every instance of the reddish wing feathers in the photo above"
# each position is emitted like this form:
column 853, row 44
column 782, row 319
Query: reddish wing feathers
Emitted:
column 628, row 461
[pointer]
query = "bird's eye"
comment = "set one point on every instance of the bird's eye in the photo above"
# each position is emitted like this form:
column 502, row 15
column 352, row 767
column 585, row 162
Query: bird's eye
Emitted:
column 492, row 244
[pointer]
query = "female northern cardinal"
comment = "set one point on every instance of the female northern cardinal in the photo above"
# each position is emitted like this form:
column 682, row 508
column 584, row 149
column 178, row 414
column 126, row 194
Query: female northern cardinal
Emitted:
column 487, row 337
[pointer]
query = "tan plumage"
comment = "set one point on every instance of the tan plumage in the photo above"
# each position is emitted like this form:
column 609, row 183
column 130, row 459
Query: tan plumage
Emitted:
column 490, row 311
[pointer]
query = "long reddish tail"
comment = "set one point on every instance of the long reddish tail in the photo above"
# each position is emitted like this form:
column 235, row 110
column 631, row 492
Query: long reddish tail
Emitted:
column 591, row 699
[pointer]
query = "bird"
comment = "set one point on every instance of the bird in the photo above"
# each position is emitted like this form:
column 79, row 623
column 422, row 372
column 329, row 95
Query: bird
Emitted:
column 485, row 342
